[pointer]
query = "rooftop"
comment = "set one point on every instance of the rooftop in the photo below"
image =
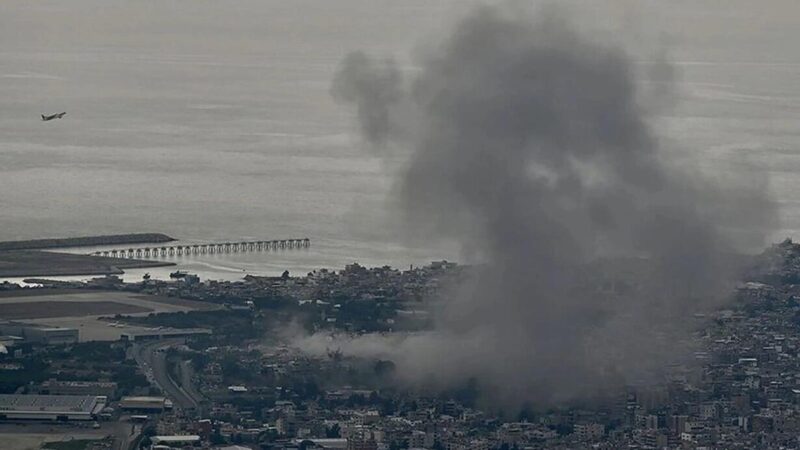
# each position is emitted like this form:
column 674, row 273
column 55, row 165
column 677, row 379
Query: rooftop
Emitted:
column 186, row 438
column 48, row 403
column 144, row 399
column 166, row 332
column 79, row 383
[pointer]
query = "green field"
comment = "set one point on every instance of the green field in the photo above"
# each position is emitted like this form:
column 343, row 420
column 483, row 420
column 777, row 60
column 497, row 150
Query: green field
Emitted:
column 75, row 444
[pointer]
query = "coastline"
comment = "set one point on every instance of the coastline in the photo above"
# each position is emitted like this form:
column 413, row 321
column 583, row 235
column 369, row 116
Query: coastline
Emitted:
column 26, row 263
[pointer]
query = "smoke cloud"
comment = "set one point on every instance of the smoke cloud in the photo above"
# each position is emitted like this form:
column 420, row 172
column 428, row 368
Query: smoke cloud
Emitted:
column 530, row 148
column 375, row 88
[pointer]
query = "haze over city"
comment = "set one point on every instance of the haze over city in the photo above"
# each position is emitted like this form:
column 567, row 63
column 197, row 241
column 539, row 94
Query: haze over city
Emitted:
column 383, row 225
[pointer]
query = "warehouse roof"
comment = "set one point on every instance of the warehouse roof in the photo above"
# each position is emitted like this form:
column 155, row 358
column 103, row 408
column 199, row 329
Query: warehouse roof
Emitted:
column 175, row 439
column 48, row 403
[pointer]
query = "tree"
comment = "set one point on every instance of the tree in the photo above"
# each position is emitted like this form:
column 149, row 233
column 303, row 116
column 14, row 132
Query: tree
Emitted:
column 267, row 437
column 216, row 438
column 306, row 444
column 333, row 431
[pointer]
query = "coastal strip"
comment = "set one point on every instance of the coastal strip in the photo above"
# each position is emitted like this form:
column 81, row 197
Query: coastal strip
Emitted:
column 29, row 263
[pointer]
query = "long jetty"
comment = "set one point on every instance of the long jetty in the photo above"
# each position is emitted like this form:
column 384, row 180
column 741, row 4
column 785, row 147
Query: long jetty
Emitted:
column 204, row 249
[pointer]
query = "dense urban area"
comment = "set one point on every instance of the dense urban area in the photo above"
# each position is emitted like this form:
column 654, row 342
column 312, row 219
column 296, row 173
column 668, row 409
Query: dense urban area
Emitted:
column 226, row 375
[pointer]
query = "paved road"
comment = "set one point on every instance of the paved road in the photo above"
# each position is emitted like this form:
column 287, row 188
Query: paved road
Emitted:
column 126, row 434
column 187, row 373
column 151, row 357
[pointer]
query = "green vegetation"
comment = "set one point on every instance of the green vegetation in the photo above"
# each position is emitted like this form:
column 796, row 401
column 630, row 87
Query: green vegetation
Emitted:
column 91, row 352
column 91, row 361
column 75, row 444
column 129, row 378
column 33, row 370
column 234, row 324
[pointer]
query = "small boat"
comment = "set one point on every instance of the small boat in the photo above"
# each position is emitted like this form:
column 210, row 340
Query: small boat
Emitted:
column 178, row 274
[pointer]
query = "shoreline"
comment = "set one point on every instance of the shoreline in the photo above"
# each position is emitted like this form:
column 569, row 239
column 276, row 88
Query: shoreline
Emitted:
column 84, row 273
column 32, row 263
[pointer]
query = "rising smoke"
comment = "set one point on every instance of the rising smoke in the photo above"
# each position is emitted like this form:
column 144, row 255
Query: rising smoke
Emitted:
column 531, row 149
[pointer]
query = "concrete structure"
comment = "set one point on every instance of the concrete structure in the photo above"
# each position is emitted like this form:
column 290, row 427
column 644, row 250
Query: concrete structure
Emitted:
column 589, row 431
column 202, row 249
column 326, row 443
column 142, row 335
column 175, row 441
column 10, row 341
column 359, row 443
column 60, row 408
column 52, row 335
column 95, row 388
column 40, row 334
column 145, row 404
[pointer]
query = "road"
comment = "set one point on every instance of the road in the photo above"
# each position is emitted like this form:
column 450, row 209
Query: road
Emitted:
column 126, row 435
column 151, row 357
column 186, row 373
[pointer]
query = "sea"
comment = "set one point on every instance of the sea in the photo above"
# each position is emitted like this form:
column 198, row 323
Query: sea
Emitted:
column 213, row 121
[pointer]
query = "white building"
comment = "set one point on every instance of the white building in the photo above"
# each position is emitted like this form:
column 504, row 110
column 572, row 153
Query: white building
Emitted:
column 60, row 408
column 145, row 403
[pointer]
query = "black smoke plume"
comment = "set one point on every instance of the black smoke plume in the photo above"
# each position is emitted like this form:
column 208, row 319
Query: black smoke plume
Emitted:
column 530, row 148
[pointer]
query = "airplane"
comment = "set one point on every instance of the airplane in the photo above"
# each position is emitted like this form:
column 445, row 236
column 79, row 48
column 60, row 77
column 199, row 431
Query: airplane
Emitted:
column 54, row 116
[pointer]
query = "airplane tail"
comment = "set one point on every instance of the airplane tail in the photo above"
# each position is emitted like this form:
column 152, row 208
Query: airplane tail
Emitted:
column 43, row 117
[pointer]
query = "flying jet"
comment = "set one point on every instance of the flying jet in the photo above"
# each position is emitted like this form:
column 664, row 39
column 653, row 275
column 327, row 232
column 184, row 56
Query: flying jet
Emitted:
column 54, row 116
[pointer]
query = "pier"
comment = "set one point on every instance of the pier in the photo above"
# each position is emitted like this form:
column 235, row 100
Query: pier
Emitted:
column 205, row 249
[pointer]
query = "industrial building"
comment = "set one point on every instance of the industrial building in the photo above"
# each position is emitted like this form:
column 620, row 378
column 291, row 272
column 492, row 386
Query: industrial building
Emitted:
column 175, row 441
column 142, row 335
column 145, row 404
column 59, row 408
column 324, row 443
column 40, row 334
column 52, row 335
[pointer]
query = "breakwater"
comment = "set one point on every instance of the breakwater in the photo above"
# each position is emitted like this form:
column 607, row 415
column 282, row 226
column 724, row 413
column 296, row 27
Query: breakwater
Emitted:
column 87, row 241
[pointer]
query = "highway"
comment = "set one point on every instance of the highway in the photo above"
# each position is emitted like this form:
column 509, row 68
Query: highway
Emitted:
column 151, row 357
column 127, row 436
